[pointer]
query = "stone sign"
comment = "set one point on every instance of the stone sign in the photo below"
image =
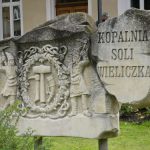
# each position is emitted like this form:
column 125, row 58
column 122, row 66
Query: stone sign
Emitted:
column 122, row 48
column 69, row 82
column 51, row 72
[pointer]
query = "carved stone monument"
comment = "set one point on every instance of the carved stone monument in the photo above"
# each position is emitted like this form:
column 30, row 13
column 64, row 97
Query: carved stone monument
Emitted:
column 58, row 84
column 72, row 77
column 122, row 49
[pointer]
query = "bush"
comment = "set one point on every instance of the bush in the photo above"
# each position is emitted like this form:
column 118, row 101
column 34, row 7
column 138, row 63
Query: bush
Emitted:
column 129, row 113
column 8, row 131
column 126, row 109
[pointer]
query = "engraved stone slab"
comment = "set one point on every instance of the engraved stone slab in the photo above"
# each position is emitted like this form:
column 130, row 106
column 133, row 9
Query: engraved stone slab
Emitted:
column 69, row 87
column 121, row 47
column 60, row 91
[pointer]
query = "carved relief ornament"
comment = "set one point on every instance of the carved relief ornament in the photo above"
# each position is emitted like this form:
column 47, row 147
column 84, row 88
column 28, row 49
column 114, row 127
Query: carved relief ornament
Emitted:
column 56, row 105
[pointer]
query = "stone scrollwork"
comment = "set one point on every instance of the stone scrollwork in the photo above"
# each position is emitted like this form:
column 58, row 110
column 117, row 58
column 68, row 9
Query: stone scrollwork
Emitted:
column 43, row 69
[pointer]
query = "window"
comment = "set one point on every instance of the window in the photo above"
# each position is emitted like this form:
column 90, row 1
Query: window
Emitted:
column 135, row 3
column 124, row 5
column 6, row 22
column 141, row 4
column 147, row 4
column 16, row 19
column 70, row 1
column 10, row 23
column 3, row 1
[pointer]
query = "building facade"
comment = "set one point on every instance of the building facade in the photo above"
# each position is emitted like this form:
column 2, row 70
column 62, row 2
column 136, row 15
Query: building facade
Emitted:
column 20, row 16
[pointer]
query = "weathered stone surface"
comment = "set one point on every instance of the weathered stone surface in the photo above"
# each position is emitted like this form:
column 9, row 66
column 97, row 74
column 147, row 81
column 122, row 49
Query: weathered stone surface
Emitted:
column 121, row 47
column 61, row 27
column 67, row 86
column 60, row 90
column 100, row 126
column 8, row 73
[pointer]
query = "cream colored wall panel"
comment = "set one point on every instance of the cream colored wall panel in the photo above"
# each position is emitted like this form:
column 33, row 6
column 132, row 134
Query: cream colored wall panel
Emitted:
column 94, row 9
column 110, row 6
column 34, row 13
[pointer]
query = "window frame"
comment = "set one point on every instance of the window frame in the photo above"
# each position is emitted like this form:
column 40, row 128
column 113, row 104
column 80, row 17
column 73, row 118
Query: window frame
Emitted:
column 141, row 4
column 124, row 5
column 10, row 4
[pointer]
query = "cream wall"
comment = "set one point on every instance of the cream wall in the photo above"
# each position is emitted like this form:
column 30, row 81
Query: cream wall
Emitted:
column 110, row 6
column 92, row 8
column 34, row 13
column 123, row 5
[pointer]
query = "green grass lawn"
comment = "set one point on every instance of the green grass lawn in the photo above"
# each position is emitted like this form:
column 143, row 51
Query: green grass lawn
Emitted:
column 132, row 137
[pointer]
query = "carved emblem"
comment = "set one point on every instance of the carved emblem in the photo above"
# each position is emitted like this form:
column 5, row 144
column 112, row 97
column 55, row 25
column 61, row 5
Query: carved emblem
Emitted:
column 44, row 82
column 48, row 87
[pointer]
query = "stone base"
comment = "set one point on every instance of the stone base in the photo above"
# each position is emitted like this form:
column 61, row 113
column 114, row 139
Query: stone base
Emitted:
column 99, row 126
